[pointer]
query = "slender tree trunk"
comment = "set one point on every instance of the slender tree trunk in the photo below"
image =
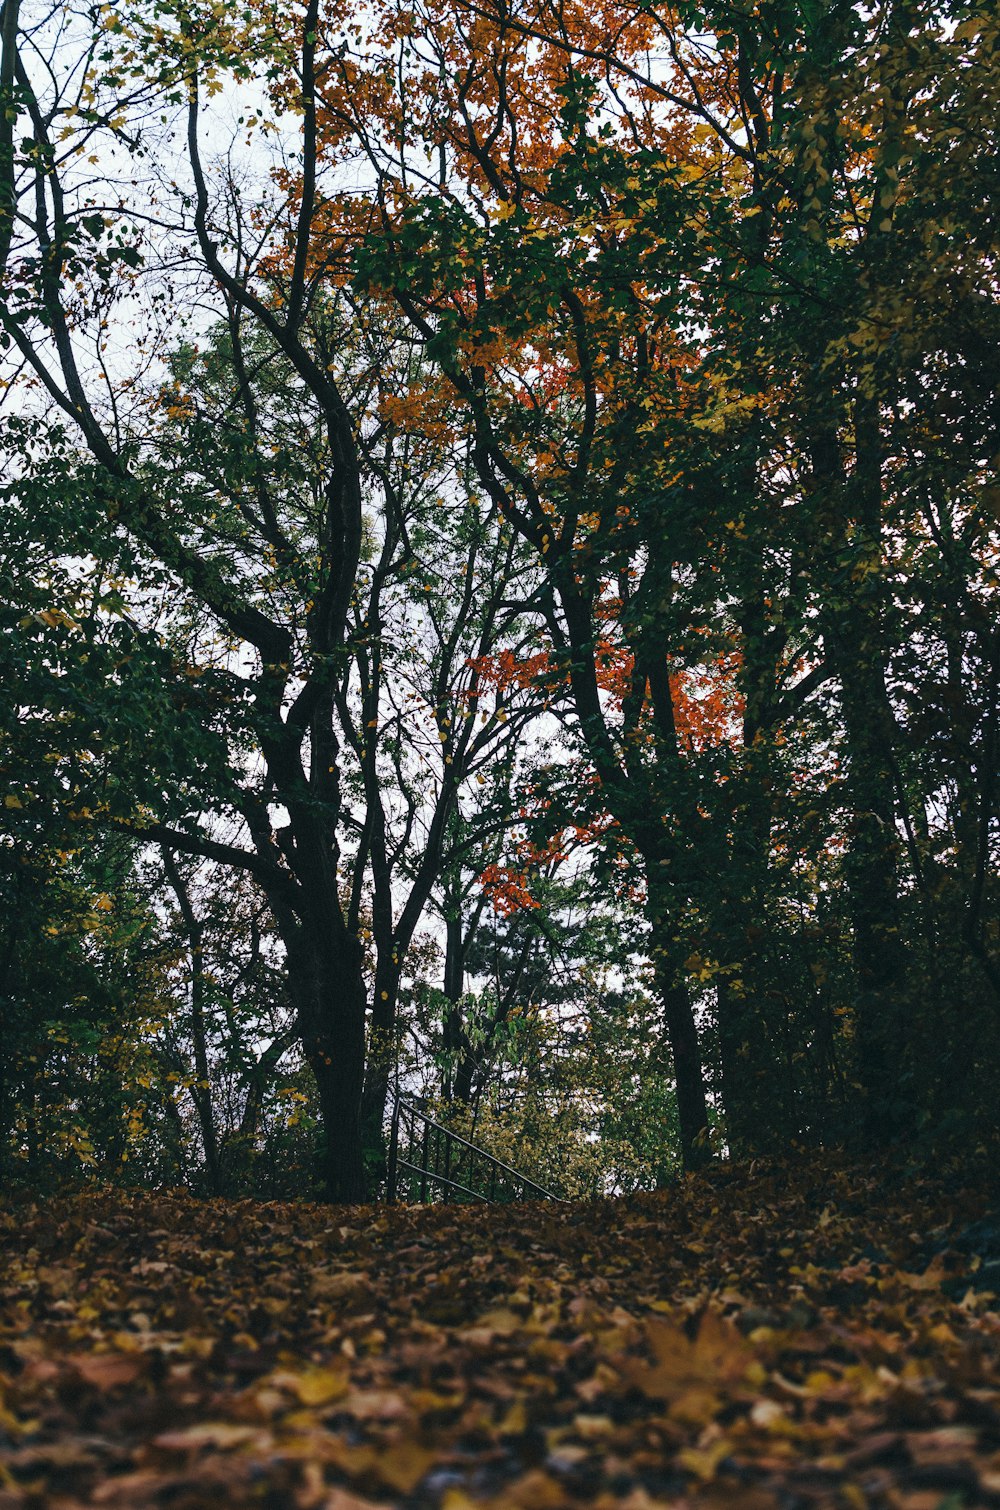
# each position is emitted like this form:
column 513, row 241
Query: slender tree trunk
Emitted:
column 738, row 1098
column 873, row 879
column 682, row 1032
column 682, row 1037
column 757, row 1095
column 239, row 1149
column 380, row 1067
column 6, row 1093
column 7, row 1038
column 201, row 1093
column 452, row 1033
column 465, row 1088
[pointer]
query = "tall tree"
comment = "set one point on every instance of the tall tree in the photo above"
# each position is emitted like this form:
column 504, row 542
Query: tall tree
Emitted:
column 643, row 282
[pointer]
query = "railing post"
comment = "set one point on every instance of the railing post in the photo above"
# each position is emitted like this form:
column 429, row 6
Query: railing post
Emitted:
column 411, row 1140
column 423, row 1157
column 393, row 1170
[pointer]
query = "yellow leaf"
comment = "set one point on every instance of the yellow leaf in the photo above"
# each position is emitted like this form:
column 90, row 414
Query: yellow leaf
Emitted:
column 515, row 1422
column 501, row 1321
column 317, row 1386
column 403, row 1465
column 457, row 1499
column 704, row 1461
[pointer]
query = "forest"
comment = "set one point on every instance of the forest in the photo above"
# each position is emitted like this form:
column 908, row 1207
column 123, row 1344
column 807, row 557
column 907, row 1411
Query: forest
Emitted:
column 500, row 683
column 498, row 581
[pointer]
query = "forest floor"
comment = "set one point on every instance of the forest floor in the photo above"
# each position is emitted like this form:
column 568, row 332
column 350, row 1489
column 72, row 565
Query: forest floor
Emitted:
column 760, row 1338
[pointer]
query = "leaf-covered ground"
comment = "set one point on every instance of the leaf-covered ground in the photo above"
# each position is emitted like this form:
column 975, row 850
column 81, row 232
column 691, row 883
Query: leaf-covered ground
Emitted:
column 753, row 1338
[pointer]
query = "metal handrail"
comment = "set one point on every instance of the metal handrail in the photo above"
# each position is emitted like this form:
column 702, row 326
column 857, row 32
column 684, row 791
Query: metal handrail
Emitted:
column 428, row 1175
column 442, row 1180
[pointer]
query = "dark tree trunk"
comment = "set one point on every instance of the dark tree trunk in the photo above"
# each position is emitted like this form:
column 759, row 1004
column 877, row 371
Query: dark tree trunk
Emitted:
column 853, row 640
column 757, row 1092
column 692, row 1108
column 465, row 1088
column 328, row 992
column 737, row 1078
column 685, row 1050
column 872, row 870
column 340, row 1089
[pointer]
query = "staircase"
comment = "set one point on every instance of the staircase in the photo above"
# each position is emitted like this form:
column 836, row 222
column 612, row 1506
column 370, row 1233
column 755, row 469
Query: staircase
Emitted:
column 428, row 1162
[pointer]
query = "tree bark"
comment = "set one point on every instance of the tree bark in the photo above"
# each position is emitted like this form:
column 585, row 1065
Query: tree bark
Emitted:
column 328, row 992
column 682, row 1033
column 853, row 641
column 872, row 870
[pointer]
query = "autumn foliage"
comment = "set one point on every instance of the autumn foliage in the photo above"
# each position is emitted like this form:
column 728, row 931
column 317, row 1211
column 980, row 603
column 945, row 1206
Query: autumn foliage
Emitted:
column 792, row 1334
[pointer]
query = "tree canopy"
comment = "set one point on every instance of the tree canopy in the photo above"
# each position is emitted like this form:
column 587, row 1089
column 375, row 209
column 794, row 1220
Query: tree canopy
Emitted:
column 498, row 584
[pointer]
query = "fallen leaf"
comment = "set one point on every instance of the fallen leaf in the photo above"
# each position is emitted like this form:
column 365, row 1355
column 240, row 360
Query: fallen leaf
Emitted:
column 717, row 1355
column 315, row 1386
column 108, row 1370
column 222, row 1434
column 339, row 1285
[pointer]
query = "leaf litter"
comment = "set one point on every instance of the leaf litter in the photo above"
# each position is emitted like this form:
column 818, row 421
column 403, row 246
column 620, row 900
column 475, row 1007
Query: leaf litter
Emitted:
column 781, row 1337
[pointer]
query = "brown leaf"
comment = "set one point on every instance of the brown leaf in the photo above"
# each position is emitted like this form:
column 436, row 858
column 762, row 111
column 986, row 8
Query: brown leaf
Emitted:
column 108, row 1370
column 718, row 1355
column 224, row 1435
column 376, row 1405
column 343, row 1499
column 341, row 1284
column 497, row 1323
column 128, row 1489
